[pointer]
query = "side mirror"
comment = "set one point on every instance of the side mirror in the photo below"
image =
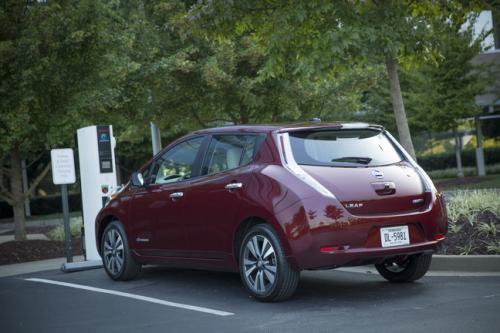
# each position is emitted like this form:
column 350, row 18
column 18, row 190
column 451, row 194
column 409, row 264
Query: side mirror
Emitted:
column 137, row 179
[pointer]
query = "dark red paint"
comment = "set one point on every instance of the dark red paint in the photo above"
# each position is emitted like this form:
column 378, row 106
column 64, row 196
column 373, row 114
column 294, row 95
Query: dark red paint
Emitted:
column 201, row 228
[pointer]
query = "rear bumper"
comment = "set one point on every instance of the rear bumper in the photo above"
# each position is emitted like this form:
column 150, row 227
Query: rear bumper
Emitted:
column 315, row 223
column 365, row 256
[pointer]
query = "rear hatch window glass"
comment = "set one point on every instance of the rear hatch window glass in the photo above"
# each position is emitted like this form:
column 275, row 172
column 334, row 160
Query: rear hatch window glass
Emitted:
column 343, row 148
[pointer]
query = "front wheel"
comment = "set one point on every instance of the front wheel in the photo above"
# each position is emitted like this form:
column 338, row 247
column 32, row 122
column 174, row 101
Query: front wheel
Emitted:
column 406, row 268
column 117, row 259
column 264, row 270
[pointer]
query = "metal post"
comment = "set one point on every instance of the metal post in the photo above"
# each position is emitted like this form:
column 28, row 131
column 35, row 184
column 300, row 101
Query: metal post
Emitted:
column 67, row 229
column 118, row 172
column 458, row 148
column 27, row 208
column 481, row 169
column 155, row 138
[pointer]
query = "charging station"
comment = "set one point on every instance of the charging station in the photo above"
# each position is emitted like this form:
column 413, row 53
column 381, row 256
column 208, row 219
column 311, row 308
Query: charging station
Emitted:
column 96, row 155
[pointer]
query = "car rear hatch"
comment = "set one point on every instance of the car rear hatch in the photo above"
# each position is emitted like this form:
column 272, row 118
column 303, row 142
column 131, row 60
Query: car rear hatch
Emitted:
column 361, row 168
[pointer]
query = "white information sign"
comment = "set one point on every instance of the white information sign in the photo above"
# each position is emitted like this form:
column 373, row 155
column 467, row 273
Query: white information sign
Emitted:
column 63, row 166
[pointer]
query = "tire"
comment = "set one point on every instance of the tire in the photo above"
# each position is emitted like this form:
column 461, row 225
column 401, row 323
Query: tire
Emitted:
column 115, row 250
column 260, row 254
column 408, row 269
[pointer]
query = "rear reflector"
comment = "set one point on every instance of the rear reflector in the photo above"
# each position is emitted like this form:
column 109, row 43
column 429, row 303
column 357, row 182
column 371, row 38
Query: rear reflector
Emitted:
column 439, row 237
column 328, row 249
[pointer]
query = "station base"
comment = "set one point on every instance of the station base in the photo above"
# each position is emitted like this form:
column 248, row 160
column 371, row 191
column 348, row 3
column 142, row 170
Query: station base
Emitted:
column 69, row 267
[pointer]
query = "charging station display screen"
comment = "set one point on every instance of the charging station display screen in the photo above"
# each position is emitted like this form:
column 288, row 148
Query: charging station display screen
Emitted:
column 104, row 147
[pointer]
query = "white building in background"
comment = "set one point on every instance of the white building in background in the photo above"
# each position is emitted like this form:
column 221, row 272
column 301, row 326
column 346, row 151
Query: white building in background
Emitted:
column 487, row 20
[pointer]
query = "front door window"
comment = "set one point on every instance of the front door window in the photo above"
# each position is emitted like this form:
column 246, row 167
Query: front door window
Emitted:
column 177, row 163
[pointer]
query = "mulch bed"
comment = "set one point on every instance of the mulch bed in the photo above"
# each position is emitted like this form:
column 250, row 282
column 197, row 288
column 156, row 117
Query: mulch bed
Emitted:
column 469, row 239
column 31, row 250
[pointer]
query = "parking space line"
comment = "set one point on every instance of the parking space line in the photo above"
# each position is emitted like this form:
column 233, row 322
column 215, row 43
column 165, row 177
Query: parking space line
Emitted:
column 134, row 296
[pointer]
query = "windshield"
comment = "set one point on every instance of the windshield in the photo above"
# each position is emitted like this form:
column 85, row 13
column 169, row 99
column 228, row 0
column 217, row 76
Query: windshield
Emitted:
column 346, row 148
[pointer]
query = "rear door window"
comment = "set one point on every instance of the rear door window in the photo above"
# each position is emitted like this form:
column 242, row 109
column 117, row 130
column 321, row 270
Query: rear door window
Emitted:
column 345, row 148
column 229, row 151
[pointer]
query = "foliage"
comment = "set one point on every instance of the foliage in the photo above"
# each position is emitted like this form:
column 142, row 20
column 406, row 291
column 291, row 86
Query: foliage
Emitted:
column 63, row 66
column 469, row 204
column 320, row 37
column 467, row 171
column 59, row 234
column 474, row 221
column 451, row 84
column 186, row 65
column 317, row 36
column 494, row 248
column 218, row 81
column 448, row 160
column 50, row 62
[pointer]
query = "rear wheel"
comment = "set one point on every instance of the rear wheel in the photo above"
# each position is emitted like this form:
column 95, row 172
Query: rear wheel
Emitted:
column 406, row 268
column 264, row 270
column 117, row 260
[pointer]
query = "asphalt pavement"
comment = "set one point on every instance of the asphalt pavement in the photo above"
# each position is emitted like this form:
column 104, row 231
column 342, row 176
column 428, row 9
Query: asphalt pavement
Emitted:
column 178, row 300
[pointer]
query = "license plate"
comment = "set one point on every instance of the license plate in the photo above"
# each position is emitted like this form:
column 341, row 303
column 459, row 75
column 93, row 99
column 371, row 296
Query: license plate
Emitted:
column 395, row 236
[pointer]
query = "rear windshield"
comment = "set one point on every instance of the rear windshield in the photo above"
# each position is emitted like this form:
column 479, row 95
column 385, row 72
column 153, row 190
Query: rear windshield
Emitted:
column 345, row 148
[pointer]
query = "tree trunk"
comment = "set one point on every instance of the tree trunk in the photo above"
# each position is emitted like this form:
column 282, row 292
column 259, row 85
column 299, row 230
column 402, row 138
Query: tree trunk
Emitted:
column 398, row 106
column 16, row 188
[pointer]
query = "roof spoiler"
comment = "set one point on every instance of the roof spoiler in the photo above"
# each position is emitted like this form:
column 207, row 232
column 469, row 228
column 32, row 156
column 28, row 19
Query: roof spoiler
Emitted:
column 326, row 126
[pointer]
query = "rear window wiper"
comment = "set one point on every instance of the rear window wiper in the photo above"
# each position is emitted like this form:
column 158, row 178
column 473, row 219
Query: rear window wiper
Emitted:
column 353, row 159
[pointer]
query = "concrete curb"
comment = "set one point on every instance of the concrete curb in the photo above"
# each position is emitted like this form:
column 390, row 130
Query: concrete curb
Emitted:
column 472, row 263
column 34, row 266
column 442, row 265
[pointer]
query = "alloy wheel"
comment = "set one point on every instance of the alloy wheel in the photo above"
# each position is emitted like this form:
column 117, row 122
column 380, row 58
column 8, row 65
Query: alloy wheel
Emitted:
column 113, row 251
column 260, row 264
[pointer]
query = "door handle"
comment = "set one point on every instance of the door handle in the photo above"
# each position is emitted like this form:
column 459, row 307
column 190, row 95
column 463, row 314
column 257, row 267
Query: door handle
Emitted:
column 232, row 186
column 176, row 195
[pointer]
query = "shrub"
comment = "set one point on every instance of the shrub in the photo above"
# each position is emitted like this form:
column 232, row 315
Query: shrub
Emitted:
column 448, row 160
column 468, row 172
column 474, row 222
column 469, row 204
column 75, row 224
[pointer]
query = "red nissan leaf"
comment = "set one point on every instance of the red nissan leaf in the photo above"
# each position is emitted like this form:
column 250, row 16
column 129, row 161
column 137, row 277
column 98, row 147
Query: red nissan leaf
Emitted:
column 271, row 201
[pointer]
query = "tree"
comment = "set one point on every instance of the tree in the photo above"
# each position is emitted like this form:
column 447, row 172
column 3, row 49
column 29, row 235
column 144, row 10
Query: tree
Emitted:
column 454, row 79
column 53, row 64
column 317, row 36
column 210, row 81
